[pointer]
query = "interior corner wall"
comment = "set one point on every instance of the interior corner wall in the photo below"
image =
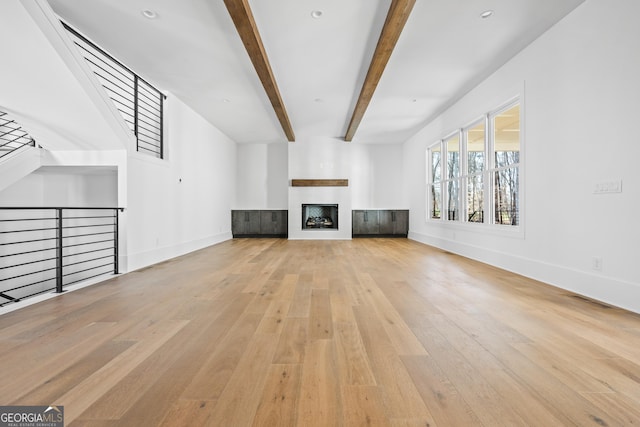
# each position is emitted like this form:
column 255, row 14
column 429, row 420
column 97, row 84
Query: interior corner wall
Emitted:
column 183, row 202
column 375, row 172
column 277, row 176
column 262, row 178
column 377, row 176
column 579, row 129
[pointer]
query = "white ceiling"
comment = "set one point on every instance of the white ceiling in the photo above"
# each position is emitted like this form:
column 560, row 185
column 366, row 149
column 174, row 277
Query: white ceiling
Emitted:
column 193, row 51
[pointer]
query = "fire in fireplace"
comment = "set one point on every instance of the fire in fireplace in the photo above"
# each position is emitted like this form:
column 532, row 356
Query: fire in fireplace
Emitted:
column 319, row 217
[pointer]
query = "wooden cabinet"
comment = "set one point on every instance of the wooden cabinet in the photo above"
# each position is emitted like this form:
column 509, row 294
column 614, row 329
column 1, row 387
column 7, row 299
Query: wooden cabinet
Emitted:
column 258, row 223
column 365, row 222
column 274, row 223
column 386, row 222
column 393, row 223
column 245, row 222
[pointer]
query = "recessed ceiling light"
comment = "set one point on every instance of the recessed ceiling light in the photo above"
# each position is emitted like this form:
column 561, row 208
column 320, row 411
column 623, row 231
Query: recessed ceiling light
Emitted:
column 149, row 14
column 414, row 100
column 226, row 100
column 318, row 100
column 486, row 14
column 316, row 14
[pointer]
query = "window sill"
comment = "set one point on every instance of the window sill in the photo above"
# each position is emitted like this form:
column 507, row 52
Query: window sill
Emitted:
column 514, row 232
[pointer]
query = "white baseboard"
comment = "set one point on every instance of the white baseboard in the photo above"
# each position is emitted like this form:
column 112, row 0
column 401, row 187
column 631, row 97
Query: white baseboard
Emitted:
column 131, row 262
column 609, row 290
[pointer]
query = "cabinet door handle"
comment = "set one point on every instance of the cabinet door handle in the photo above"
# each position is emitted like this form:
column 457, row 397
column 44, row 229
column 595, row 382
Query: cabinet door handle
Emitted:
column 366, row 217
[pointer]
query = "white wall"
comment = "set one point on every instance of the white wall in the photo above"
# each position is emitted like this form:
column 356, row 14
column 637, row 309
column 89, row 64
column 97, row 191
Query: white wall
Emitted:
column 578, row 82
column 377, row 176
column 262, row 176
column 251, row 176
column 172, row 206
column 18, row 164
column 64, row 187
column 52, row 93
column 375, row 173
column 182, row 203
column 319, row 158
column 277, row 176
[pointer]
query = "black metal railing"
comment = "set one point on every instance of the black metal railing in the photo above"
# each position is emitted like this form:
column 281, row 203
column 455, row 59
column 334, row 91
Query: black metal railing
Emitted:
column 12, row 135
column 46, row 249
column 139, row 103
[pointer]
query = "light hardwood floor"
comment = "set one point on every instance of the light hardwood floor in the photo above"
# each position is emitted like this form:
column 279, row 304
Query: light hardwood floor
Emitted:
column 267, row 332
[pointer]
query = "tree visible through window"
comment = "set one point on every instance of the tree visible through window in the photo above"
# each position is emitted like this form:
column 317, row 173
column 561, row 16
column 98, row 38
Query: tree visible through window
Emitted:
column 435, row 180
column 476, row 147
column 452, row 183
column 481, row 174
column 506, row 168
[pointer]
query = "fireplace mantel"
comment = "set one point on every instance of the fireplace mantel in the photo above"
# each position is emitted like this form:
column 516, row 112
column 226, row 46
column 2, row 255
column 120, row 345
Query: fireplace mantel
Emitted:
column 333, row 191
column 319, row 182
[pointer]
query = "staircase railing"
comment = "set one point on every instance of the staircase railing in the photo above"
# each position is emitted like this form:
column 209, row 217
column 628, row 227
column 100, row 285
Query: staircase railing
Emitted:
column 140, row 104
column 47, row 249
column 12, row 135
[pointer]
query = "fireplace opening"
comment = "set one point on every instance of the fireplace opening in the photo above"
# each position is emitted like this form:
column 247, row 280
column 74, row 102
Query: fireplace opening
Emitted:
column 319, row 217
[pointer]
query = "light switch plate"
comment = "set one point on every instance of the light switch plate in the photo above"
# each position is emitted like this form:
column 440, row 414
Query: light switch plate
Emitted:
column 605, row 187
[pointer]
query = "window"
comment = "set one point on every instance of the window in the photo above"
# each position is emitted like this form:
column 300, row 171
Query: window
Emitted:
column 452, row 183
column 435, row 154
column 480, row 180
column 506, row 165
column 476, row 150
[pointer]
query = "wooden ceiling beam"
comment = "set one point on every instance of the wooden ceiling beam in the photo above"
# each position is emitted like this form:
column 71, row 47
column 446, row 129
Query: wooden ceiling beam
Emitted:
column 397, row 16
column 245, row 24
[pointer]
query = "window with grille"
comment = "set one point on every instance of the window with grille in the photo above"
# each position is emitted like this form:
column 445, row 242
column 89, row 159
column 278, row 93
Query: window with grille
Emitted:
column 474, row 174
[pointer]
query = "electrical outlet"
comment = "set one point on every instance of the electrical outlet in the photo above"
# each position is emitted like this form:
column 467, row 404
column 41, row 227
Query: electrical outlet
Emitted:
column 596, row 263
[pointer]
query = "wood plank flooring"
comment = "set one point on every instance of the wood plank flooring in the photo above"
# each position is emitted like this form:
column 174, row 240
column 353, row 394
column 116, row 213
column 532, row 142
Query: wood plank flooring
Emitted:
column 369, row 332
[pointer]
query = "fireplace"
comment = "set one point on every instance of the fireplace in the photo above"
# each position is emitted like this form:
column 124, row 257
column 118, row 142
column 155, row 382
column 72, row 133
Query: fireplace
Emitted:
column 319, row 217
